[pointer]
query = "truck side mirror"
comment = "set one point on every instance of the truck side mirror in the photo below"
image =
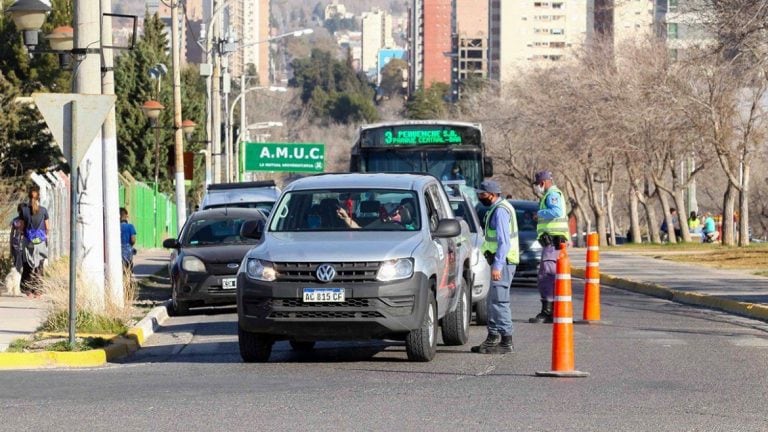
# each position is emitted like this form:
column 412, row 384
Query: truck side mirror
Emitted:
column 447, row 228
column 487, row 167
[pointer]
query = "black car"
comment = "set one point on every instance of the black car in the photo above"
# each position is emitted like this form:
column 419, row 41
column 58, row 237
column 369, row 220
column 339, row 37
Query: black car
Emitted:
column 530, row 249
column 207, row 256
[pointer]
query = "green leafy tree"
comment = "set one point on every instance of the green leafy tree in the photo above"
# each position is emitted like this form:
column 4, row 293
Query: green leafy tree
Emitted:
column 137, row 151
column 332, row 89
column 430, row 103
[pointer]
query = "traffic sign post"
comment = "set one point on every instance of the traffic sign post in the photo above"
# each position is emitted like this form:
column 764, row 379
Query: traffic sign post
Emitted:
column 285, row 157
column 61, row 112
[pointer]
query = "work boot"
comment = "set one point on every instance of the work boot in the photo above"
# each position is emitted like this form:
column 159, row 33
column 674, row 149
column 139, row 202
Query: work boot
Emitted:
column 505, row 346
column 489, row 344
column 545, row 316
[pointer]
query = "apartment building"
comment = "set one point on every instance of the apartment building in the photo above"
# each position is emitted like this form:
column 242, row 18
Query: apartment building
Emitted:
column 472, row 38
column 377, row 34
column 528, row 34
column 430, row 29
column 685, row 27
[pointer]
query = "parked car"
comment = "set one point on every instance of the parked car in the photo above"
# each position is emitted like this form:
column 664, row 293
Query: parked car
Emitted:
column 356, row 256
column 480, row 279
column 256, row 194
column 206, row 257
column 530, row 248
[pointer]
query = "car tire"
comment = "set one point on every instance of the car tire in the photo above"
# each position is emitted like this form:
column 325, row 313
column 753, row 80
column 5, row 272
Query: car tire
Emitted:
column 254, row 347
column 302, row 346
column 455, row 325
column 421, row 344
column 481, row 312
column 178, row 308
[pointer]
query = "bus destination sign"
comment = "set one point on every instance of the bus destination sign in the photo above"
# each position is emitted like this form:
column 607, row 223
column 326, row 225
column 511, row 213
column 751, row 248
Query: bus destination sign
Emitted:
column 421, row 137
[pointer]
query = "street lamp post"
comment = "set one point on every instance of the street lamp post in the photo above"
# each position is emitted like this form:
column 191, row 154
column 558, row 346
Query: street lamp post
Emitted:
column 152, row 110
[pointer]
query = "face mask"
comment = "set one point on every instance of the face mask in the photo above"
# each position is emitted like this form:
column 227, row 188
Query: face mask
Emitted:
column 486, row 201
column 539, row 189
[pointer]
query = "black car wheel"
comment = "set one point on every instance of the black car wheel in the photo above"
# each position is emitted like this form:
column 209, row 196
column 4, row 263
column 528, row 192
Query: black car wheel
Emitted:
column 178, row 308
column 421, row 344
column 456, row 324
column 254, row 347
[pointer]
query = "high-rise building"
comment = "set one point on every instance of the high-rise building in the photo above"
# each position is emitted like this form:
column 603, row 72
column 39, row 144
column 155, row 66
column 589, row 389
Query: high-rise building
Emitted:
column 685, row 26
column 430, row 30
column 249, row 26
column 472, row 25
column 377, row 34
column 529, row 34
column 622, row 21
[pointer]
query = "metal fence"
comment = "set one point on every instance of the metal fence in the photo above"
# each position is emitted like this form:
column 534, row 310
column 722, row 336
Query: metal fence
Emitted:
column 152, row 213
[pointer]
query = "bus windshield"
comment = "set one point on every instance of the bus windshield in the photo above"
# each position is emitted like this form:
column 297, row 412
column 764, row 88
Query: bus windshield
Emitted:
column 445, row 165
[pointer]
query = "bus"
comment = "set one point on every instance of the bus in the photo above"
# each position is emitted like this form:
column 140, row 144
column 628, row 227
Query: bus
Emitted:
column 449, row 150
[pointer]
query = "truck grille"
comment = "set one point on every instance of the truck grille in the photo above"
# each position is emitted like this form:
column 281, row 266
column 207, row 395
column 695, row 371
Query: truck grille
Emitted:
column 330, row 314
column 345, row 271
column 298, row 303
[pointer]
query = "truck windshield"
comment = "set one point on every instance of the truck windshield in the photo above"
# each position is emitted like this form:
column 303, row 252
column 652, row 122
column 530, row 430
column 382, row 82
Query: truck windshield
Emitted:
column 347, row 210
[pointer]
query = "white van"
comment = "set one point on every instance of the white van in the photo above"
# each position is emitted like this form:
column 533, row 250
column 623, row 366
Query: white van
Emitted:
column 257, row 194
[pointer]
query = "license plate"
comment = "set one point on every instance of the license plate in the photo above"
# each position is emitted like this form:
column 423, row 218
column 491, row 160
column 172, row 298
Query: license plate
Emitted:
column 229, row 283
column 323, row 295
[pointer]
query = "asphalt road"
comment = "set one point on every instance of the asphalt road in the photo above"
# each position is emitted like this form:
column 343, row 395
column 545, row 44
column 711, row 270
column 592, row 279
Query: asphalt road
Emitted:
column 654, row 366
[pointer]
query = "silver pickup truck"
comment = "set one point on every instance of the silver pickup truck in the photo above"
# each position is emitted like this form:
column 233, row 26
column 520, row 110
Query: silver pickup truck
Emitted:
column 356, row 256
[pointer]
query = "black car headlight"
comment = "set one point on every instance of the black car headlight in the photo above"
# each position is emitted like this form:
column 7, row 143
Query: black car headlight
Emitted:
column 192, row 264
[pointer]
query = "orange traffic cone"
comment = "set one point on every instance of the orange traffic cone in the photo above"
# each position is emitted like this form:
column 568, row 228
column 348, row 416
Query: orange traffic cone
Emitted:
column 592, row 280
column 562, row 326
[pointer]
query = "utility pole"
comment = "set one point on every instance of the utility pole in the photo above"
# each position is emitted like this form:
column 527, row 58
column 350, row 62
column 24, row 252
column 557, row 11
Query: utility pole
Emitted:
column 90, row 197
column 178, row 134
column 215, row 96
column 114, row 264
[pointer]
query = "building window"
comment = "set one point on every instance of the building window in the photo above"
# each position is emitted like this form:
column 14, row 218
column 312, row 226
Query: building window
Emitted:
column 672, row 5
column 672, row 31
column 555, row 31
column 557, row 5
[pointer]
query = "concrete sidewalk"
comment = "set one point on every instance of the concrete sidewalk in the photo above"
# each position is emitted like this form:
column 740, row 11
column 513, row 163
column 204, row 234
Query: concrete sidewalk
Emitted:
column 21, row 316
column 733, row 291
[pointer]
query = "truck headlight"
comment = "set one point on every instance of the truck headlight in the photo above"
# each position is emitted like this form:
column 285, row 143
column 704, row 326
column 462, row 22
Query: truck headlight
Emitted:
column 260, row 270
column 396, row 269
column 192, row 264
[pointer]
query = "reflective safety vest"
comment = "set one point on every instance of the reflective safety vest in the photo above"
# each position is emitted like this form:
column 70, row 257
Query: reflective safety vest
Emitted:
column 556, row 226
column 490, row 244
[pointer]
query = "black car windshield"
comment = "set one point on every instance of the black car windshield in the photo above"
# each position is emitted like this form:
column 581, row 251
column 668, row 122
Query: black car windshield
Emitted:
column 347, row 210
column 524, row 211
column 214, row 231
column 265, row 207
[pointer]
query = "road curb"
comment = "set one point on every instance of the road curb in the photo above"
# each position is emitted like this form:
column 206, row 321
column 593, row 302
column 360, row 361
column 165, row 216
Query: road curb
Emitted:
column 120, row 346
column 749, row 310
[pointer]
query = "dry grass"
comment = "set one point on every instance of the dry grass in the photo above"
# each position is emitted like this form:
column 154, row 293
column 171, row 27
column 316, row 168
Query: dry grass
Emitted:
column 753, row 258
column 92, row 315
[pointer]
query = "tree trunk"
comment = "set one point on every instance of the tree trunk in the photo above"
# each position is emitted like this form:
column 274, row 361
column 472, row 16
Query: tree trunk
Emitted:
column 682, row 215
column 729, row 199
column 653, row 225
column 744, row 207
column 611, row 220
column 634, row 218
column 667, row 216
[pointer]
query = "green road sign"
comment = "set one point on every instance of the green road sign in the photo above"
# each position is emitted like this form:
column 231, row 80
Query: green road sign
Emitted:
column 284, row 157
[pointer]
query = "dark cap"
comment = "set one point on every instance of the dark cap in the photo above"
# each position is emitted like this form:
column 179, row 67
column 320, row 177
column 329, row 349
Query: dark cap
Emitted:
column 541, row 176
column 489, row 186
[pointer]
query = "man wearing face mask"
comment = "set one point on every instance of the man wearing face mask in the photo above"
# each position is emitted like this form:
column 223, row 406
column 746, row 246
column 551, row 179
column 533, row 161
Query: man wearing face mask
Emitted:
column 552, row 229
column 502, row 251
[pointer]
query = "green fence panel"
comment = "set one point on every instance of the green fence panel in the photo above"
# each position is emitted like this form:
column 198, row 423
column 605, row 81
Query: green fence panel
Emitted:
column 153, row 214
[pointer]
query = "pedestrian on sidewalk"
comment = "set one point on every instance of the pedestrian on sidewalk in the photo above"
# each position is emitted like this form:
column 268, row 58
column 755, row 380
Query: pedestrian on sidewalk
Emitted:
column 127, row 240
column 17, row 239
column 552, row 230
column 35, row 243
column 502, row 250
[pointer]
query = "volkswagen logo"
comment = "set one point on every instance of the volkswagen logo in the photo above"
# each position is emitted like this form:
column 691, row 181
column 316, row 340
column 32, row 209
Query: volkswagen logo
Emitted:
column 233, row 265
column 325, row 273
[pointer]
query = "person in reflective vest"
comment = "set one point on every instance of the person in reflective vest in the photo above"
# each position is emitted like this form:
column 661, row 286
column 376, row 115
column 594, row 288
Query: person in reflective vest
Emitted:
column 552, row 230
column 502, row 250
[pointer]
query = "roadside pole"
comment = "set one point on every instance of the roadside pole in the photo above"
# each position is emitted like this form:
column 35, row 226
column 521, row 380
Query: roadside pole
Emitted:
column 178, row 134
column 215, row 96
column 113, row 256
column 73, row 181
column 87, row 81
